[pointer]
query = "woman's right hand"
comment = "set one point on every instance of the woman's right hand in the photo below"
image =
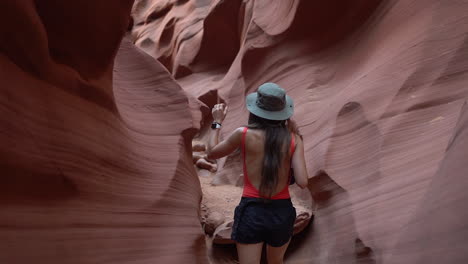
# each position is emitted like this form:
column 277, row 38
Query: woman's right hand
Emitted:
column 219, row 112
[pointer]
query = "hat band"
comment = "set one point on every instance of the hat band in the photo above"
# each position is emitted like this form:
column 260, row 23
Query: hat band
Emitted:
column 270, row 103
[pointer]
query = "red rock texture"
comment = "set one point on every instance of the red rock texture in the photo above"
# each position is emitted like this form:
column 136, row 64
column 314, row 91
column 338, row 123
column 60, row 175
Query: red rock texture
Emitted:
column 96, row 134
column 95, row 168
column 380, row 90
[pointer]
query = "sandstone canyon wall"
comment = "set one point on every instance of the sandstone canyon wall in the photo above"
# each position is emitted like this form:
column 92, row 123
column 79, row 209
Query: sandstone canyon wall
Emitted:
column 94, row 165
column 95, row 133
column 380, row 89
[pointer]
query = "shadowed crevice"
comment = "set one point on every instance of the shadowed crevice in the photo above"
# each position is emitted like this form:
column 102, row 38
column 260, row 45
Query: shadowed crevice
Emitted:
column 221, row 41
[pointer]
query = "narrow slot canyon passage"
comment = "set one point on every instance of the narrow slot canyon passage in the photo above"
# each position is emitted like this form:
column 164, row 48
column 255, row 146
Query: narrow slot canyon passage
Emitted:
column 105, row 108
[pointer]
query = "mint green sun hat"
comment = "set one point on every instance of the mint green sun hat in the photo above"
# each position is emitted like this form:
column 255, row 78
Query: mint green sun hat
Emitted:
column 270, row 102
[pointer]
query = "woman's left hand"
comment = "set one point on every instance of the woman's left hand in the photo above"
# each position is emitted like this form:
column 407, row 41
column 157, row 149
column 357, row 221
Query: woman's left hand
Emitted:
column 219, row 112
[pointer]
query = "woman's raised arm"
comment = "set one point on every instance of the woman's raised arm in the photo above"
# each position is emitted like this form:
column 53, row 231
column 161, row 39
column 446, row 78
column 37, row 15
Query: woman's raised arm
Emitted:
column 214, row 149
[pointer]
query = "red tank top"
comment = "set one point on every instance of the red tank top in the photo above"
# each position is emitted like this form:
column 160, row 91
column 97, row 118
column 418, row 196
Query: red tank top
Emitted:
column 249, row 189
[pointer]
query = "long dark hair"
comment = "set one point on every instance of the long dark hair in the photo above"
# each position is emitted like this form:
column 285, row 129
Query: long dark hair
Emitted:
column 277, row 142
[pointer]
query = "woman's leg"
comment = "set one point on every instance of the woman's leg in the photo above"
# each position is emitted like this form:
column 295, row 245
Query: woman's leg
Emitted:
column 275, row 255
column 249, row 253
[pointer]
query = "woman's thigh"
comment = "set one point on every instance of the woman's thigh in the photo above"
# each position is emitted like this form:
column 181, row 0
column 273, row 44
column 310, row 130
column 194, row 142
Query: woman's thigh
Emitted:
column 249, row 253
column 275, row 255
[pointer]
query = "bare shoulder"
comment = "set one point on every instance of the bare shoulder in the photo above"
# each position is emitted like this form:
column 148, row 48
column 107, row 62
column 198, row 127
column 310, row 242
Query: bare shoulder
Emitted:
column 238, row 132
column 298, row 139
column 236, row 135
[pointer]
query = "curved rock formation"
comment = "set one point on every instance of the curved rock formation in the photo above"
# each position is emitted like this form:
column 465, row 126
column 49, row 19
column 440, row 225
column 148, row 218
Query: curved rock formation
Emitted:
column 95, row 168
column 379, row 88
column 96, row 134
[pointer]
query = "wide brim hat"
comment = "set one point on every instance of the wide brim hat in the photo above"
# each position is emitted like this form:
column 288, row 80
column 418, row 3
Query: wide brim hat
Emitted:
column 270, row 102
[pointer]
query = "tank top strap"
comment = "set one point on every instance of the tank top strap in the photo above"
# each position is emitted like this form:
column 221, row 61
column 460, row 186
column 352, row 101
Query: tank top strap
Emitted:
column 293, row 143
column 244, row 134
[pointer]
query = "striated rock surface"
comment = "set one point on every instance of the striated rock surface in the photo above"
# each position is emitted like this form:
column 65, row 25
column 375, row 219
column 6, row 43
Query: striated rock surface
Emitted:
column 95, row 168
column 380, row 89
column 96, row 155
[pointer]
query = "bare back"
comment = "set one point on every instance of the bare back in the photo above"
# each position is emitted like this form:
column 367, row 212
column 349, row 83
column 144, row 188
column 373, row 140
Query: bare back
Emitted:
column 254, row 148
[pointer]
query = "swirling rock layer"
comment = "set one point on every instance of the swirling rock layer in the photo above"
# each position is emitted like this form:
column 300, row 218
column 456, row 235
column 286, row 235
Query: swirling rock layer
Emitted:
column 95, row 133
column 380, row 93
column 94, row 165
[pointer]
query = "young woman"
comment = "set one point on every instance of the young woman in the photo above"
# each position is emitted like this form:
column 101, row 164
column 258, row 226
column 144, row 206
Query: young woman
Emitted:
column 271, row 148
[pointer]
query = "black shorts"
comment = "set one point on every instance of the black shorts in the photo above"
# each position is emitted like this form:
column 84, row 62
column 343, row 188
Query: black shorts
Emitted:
column 257, row 220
